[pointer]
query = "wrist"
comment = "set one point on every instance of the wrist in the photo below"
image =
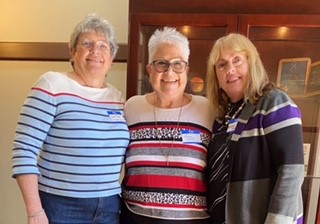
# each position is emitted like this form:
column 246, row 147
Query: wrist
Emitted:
column 33, row 215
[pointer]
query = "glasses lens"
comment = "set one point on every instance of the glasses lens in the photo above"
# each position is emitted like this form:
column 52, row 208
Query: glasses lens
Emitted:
column 102, row 46
column 163, row 66
column 87, row 44
column 178, row 66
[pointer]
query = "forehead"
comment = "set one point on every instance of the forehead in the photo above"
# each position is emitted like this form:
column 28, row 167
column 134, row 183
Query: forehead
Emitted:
column 226, row 54
column 92, row 36
column 168, row 51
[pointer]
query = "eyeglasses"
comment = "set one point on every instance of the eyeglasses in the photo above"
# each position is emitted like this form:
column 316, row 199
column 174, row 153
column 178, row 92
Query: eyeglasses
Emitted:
column 176, row 66
column 101, row 45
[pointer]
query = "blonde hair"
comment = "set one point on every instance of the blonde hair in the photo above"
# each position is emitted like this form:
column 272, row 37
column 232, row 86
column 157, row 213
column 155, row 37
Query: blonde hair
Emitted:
column 258, row 78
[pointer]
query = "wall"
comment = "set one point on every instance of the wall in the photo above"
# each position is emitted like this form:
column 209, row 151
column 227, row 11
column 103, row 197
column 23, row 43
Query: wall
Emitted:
column 41, row 21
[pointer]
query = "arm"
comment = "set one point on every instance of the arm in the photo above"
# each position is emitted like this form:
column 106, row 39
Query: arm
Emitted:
column 285, row 142
column 28, row 185
column 35, row 119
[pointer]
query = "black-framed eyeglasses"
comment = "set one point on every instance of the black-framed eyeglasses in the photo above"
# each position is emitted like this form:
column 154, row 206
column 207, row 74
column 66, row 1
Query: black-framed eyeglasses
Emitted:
column 176, row 66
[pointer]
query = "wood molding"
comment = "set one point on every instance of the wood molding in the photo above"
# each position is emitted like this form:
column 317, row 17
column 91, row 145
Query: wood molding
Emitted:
column 226, row 6
column 45, row 51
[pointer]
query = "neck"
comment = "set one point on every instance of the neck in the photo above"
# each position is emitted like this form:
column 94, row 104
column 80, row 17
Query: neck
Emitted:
column 87, row 81
column 165, row 102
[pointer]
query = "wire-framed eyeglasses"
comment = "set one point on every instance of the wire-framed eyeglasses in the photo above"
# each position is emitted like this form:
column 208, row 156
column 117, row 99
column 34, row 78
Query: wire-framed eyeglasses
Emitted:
column 176, row 66
column 101, row 45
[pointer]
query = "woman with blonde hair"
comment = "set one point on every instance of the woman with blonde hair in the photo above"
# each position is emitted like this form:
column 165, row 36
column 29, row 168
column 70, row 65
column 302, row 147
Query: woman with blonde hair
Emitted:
column 255, row 160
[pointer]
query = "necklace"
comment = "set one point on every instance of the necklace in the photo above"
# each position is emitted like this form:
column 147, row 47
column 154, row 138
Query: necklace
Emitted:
column 166, row 151
column 228, row 117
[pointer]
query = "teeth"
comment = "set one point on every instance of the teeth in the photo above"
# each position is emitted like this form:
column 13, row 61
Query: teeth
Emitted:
column 97, row 61
column 169, row 80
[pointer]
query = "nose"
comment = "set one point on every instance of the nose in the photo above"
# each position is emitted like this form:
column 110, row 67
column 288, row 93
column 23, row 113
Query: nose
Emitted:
column 230, row 68
column 169, row 69
column 95, row 49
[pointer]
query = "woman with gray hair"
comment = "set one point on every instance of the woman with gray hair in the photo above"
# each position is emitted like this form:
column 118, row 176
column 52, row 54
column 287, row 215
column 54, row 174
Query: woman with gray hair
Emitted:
column 166, row 159
column 71, row 136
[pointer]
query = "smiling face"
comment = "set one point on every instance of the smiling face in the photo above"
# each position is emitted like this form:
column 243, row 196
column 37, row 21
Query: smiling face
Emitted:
column 92, row 57
column 232, row 71
column 168, row 83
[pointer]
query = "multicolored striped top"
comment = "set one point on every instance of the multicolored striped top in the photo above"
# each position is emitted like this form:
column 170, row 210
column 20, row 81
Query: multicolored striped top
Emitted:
column 73, row 137
column 166, row 160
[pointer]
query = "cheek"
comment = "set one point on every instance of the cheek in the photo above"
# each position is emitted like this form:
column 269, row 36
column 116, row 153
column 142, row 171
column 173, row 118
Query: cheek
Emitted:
column 79, row 55
column 244, row 69
column 153, row 79
column 221, row 77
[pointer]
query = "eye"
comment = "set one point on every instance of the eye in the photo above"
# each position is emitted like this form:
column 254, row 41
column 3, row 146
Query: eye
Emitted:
column 177, row 64
column 103, row 46
column 220, row 65
column 238, row 60
column 87, row 44
column 162, row 63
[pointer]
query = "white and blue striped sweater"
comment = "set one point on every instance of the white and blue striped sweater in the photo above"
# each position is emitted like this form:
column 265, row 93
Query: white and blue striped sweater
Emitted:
column 74, row 137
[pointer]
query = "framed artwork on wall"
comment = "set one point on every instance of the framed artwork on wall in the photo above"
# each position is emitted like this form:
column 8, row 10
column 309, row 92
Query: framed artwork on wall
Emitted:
column 293, row 74
column 313, row 85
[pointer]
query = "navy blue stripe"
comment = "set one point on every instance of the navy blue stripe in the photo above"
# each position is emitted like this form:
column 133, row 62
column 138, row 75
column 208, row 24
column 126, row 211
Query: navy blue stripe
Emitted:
column 73, row 190
column 81, row 165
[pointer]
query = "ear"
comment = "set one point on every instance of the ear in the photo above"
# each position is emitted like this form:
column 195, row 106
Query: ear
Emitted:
column 187, row 70
column 72, row 52
column 148, row 67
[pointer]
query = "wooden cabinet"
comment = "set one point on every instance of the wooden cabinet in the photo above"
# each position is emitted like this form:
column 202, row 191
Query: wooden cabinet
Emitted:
column 201, row 29
column 278, row 29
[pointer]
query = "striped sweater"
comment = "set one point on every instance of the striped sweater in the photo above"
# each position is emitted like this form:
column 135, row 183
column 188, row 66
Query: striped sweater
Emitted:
column 73, row 137
column 164, row 190
column 266, row 164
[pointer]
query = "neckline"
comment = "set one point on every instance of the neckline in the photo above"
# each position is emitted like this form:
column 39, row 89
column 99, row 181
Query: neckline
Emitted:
column 81, row 82
column 150, row 101
column 234, row 110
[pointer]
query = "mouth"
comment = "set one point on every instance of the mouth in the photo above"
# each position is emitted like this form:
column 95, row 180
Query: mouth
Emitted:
column 233, row 79
column 94, row 60
column 169, row 81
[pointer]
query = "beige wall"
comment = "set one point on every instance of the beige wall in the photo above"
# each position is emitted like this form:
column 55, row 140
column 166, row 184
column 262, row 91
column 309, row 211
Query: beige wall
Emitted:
column 41, row 21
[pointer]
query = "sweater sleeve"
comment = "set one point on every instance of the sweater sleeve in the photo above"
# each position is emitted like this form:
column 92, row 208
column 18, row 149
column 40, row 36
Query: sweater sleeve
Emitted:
column 285, row 141
column 35, row 119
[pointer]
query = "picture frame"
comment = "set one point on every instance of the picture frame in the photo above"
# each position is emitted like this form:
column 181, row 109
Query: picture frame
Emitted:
column 314, row 78
column 293, row 74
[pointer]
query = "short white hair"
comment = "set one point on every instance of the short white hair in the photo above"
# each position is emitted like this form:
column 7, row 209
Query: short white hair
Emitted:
column 168, row 35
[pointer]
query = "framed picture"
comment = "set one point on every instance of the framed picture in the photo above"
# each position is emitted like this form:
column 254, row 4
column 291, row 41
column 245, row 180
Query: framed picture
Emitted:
column 314, row 78
column 293, row 74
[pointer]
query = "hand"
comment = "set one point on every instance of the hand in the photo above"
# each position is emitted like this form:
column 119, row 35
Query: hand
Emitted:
column 38, row 218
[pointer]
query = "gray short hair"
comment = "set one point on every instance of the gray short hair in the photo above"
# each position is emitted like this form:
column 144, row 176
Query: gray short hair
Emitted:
column 95, row 23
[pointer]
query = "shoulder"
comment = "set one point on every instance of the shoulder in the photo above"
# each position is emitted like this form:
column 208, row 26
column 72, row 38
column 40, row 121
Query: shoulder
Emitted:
column 49, row 79
column 111, row 90
column 199, row 111
column 197, row 99
column 275, row 97
column 137, row 109
column 277, row 104
column 135, row 101
column 52, row 76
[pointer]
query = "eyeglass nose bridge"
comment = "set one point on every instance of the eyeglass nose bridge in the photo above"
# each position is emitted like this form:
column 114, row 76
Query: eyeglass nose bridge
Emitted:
column 169, row 65
column 164, row 66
